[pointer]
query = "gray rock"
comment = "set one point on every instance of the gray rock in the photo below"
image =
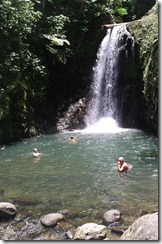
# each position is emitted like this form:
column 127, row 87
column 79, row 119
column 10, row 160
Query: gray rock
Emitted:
column 51, row 219
column 69, row 234
column 7, row 211
column 144, row 228
column 111, row 216
column 90, row 231
column 74, row 116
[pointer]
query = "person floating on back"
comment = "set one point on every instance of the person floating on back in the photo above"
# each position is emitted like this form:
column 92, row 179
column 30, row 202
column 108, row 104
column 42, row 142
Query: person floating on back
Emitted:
column 123, row 167
column 36, row 154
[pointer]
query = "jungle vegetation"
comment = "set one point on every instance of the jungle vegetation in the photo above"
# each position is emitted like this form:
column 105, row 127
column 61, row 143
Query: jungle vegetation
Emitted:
column 47, row 51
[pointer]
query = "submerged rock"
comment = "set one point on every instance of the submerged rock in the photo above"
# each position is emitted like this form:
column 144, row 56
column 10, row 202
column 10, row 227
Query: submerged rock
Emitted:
column 2, row 192
column 26, row 201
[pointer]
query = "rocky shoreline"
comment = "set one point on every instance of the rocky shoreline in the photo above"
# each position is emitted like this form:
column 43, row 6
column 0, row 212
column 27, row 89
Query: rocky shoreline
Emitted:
column 57, row 226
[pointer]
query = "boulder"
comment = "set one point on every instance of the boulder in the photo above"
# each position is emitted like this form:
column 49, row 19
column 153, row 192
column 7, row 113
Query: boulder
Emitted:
column 51, row 219
column 111, row 216
column 90, row 231
column 7, row 211
column 144, row 228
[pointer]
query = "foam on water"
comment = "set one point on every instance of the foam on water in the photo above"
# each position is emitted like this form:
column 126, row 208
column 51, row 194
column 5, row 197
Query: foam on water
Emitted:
column 104, row 125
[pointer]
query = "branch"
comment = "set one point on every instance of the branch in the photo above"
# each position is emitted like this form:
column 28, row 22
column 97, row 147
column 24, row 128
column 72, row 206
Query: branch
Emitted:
column 110, row 26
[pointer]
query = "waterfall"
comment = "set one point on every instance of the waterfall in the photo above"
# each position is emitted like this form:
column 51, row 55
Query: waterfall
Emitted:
column 103, row 105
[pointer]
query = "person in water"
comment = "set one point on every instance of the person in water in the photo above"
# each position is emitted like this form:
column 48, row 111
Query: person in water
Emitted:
column 36, row 153
column 72, row 139
column 123, row 167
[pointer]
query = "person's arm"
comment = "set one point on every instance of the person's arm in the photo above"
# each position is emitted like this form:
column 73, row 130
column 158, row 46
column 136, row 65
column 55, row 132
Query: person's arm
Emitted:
column 119, row 166
column 124, row 167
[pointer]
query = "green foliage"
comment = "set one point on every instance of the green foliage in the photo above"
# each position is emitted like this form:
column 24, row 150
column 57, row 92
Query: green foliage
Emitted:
column 57, row 40
column 18, row 67
column 146, row 35
column 47, row 47
column 130, row 9
column 122, row 11
column 138, row 8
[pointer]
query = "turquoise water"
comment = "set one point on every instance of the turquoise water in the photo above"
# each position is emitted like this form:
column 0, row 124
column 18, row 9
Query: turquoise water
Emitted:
column 81, row 178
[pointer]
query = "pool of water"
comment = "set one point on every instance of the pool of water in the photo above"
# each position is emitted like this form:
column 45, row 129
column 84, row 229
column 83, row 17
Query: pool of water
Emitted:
column 82, row 177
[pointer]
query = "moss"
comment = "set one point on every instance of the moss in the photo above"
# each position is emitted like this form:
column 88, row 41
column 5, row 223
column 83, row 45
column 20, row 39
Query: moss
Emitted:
column 145, row 32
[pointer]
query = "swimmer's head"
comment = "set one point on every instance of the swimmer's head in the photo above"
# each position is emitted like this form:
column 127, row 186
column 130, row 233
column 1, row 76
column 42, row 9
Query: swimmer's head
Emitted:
column 121, row 159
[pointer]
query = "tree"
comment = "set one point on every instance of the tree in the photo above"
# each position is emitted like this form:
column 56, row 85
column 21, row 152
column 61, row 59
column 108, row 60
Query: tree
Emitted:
column 17, row 19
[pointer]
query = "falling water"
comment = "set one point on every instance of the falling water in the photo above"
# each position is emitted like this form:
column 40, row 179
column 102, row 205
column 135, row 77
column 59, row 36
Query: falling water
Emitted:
column 103, row 103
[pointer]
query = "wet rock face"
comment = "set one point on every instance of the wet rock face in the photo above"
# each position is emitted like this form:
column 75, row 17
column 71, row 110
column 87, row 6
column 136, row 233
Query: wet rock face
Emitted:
column 7, row 211
column 73, row 118
column 144, row 228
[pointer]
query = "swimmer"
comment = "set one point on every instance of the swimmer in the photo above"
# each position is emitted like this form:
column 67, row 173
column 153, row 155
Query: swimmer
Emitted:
column 36, row 154
column 123, row 167
column 72, row 139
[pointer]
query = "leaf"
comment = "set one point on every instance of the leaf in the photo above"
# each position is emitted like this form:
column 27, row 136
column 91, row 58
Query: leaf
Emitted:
column 122, row 11
column 57, row 41
column 51, row 50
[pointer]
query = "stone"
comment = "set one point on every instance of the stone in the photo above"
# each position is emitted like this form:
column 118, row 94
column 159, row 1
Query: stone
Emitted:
column 7, row 211
column 144, row 228
column 51, row 219
column 111, row 216
column 90, row 231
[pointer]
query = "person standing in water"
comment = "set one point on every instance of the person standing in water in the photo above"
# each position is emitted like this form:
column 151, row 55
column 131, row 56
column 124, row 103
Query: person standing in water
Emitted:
column 123, row 167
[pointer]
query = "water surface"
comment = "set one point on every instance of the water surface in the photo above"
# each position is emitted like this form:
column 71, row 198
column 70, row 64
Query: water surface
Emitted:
column 82, row 178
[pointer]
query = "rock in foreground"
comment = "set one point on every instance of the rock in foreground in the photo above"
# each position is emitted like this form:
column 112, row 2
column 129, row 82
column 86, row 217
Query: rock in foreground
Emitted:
column 144, row 228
